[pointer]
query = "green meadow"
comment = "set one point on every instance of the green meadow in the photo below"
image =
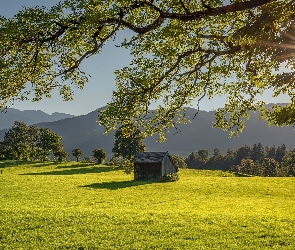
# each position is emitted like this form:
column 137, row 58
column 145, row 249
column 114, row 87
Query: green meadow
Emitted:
column 85, row 206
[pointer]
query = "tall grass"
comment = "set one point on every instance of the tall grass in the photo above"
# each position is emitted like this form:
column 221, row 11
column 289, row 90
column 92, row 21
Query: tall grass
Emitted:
column 86, row 206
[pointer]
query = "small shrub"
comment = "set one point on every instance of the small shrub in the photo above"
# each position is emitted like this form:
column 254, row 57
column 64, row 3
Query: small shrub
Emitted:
column 128, row 166
column 87, row 160
column 178, row 162
column 117, row 161
column 170, row 177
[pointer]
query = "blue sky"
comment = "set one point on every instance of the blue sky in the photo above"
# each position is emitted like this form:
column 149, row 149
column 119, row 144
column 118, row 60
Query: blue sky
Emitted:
column 97, row 92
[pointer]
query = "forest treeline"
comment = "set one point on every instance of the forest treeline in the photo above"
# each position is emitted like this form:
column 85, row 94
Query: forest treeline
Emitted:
column 255, row 160
column 23, row 142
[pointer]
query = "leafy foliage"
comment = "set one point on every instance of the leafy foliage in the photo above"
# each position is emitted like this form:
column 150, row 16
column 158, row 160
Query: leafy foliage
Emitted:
column 256, row 160
column 198, row 159
column 288, row 164
column 247, row 166
column 269, row 167
column 61, row 155
column 182, row 52
column 178, row 161
column 23, row 142
column 128, row 141
column 170, row 177
column 128, row 166
column 77, row 152
column 99, row 154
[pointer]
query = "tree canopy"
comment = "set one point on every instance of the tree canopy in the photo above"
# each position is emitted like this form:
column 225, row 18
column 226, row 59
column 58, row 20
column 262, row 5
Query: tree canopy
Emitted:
column 99, row 154
column 182, row 52
column 128, row 141
column 77, row 152
column 22, row 142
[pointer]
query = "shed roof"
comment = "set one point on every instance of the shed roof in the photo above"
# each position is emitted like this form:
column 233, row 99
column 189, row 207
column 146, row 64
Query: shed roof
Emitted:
column 150, row 157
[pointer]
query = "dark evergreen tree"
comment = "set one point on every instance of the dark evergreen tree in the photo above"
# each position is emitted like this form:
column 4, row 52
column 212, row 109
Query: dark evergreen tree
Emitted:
column 280, row 153
column 243, row 152
column 192, row 159
column 270, row 152
column 230, row 159
column 257, row 153
column 198, row 159
column 288, row 164
column 204, row 156
column 3, row 153
column 217, row 161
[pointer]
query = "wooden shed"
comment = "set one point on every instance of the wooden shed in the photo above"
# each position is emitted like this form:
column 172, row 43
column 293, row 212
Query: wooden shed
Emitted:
column 153, row 165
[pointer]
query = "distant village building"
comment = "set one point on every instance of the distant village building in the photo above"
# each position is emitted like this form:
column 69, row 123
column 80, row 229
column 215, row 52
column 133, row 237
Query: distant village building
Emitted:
column 153, row 166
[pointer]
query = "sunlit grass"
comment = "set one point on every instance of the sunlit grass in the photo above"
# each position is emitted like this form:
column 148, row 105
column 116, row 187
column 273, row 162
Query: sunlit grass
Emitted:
column 86, row 206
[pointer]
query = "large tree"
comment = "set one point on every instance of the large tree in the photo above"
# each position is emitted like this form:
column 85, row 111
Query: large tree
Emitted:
column 182, row 52
column 198, row 159
column 22, row 142
column 128, row 141
column 49, row 143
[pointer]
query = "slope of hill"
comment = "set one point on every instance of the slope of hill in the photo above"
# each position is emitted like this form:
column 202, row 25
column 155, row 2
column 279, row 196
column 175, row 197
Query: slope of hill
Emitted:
column 82, row 132
column 200, row 134
column 85, row 133
column 29, row 117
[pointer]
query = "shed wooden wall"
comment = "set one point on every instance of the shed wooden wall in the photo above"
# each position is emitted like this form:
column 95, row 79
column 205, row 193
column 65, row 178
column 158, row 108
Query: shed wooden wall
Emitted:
column 147, row 171
column 167, row 166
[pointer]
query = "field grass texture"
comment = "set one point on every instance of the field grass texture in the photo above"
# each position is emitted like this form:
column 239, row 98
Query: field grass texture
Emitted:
column 85, row 206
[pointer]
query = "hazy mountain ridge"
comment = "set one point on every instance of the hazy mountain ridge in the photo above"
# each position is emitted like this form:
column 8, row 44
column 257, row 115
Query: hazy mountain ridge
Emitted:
column 85, row 133
column 29, row 117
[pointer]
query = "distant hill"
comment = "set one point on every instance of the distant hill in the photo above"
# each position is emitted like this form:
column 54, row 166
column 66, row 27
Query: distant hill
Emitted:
column 85, row 133
column 29, row 117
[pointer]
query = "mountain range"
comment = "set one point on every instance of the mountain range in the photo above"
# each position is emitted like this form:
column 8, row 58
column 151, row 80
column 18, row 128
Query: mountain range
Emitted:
column 85, row 133
column 29, row 117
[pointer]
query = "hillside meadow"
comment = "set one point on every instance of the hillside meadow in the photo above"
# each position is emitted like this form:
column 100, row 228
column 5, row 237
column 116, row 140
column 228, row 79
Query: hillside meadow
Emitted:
column 85, row 206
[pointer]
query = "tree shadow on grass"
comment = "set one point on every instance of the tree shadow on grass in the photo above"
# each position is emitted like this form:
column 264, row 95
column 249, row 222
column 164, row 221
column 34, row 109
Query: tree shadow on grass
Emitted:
column 241, row 175
column 12, row 163
column 77, row 170
column 72, row 166
column 113, row 185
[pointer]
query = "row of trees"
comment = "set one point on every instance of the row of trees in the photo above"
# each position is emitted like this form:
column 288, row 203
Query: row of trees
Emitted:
column 23, row 142
column 256, row 160
column 128, row 142
column 99, row 154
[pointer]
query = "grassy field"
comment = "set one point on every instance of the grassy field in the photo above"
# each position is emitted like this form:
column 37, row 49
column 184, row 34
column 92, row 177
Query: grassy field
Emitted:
column 84, row 206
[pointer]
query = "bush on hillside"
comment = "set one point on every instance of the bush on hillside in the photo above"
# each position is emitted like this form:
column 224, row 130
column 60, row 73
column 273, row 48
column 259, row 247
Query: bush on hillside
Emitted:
column 128, row 166
column 178, row 161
